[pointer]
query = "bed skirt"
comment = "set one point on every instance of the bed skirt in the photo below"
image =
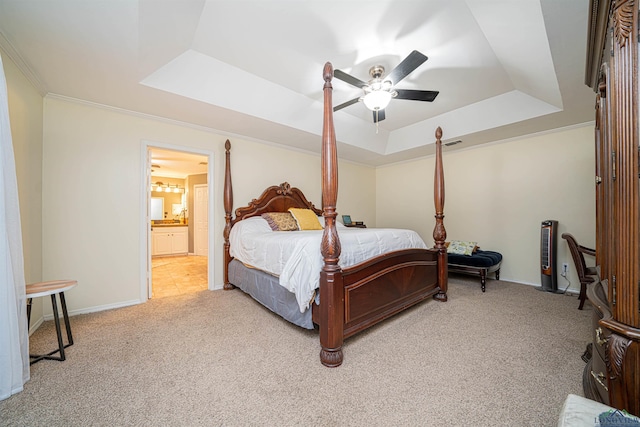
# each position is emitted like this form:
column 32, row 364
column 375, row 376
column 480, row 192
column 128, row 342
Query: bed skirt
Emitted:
column 265, row 288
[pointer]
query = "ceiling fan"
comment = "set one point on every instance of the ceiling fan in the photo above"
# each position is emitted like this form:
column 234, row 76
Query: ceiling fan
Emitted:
column 380, row 89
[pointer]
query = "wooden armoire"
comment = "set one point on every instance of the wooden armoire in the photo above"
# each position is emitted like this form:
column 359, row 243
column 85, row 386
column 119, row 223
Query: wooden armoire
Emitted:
column 612, row 375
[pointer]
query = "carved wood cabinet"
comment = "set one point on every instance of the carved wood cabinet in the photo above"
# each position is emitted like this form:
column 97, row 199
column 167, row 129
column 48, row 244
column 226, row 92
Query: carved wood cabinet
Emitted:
column 613, row 373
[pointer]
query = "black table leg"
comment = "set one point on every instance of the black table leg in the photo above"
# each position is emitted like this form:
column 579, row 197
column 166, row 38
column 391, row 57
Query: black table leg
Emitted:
column 61, row 346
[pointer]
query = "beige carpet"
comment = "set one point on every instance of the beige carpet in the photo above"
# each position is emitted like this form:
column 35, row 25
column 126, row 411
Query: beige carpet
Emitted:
column 507, row 357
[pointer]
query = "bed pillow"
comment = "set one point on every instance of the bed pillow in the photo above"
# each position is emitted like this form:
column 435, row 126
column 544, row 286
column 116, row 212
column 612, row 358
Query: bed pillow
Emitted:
column 252, row 225
column 475, row 248
column 280, row 221
column 461, row 247
column 306, row 219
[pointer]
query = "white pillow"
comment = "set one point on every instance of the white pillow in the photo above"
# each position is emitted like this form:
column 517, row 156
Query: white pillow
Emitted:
column 255, row 224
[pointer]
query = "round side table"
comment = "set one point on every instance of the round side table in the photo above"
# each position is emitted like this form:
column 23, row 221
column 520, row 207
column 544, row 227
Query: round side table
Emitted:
column 53, row 288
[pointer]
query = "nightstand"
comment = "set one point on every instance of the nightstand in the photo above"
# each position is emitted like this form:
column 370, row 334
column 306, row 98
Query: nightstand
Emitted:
column 356, row 225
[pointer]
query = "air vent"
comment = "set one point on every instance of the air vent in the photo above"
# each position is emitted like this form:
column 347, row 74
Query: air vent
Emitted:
column 448, row 144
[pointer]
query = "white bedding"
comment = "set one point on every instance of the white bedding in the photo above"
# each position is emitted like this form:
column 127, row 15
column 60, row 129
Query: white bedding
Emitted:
column 294, row 256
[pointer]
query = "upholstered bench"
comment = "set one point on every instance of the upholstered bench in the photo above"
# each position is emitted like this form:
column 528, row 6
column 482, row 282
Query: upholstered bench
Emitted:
column 478, row 263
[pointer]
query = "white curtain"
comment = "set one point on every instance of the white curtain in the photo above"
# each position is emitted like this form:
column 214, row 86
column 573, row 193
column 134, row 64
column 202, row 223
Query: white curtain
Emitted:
column 14, row 336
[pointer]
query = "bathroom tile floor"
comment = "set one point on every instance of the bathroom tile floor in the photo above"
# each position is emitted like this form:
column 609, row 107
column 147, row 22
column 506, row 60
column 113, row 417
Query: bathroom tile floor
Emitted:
column 177, row 275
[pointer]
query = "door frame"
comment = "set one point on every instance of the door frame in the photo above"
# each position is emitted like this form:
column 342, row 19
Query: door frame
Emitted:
column 145, row 221
column 195, row 216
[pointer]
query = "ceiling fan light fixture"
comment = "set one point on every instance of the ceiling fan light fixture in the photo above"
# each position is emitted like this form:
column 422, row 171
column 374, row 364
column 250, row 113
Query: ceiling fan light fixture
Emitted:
column 381, row 88
column 377, row 99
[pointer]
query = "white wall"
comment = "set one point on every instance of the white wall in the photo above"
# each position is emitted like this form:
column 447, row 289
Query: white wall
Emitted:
column 25, row 111
column 499, row 194
column 92, row 174
column 25, row 115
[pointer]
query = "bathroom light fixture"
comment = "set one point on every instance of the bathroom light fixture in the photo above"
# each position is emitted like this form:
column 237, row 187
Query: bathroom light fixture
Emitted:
column 160, row 187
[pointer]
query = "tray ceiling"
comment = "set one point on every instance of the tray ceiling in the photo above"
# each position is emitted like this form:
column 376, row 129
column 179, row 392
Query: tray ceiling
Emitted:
column 253, row 69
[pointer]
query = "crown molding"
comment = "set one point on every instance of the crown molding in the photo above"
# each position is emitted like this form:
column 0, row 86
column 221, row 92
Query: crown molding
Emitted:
column 201, row 128
column 12, row 53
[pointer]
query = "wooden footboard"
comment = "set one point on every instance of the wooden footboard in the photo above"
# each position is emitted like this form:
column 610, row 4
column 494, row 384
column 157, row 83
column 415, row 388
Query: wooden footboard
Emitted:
column 381, row 287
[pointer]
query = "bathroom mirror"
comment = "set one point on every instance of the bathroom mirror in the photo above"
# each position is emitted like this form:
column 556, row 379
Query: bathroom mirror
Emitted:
column 157, row 208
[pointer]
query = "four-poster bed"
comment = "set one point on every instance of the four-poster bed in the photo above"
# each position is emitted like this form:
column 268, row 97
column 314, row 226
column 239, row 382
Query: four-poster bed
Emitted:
column 354, row 297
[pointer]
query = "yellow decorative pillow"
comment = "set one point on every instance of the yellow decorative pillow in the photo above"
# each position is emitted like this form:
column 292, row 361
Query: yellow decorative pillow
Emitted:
column 306, row 219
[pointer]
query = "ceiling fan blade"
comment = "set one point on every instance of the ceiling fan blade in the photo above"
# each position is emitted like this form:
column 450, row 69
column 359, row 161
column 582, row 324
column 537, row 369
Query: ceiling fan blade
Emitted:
column 378, row 116
column 346, row 104
column 417, row 95
column 348, row 78
column 408, row 64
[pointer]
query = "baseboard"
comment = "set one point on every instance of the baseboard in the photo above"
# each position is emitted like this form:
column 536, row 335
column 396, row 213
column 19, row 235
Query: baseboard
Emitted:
column 561, row 290
column 36, row 324
column 570, row 291
column 97, row 308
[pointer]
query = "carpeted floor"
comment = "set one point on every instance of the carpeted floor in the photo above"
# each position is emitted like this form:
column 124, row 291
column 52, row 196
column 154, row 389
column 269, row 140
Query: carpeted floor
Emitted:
column 507, row 357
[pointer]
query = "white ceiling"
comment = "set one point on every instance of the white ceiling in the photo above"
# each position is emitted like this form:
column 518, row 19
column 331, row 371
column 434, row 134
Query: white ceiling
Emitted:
column 504, row 68
column 176, row 164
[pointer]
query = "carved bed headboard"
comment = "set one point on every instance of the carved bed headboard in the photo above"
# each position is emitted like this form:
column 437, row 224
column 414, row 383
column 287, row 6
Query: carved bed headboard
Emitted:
column 277, row 198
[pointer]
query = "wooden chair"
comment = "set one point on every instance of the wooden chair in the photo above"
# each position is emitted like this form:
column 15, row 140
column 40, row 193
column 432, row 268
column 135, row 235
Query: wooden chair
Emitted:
column 585, row 274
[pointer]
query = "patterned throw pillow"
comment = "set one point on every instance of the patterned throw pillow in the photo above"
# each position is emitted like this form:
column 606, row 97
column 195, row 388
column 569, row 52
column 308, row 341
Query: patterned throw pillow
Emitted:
column 461, row 247
column 281, row 221
column 306, row 219
column 475, row 248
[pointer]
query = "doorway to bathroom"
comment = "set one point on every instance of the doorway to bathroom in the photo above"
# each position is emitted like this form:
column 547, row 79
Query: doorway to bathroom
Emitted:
column 175, row 266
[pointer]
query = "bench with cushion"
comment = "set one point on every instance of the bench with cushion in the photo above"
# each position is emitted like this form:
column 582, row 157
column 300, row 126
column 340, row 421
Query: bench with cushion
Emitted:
column 478, row 263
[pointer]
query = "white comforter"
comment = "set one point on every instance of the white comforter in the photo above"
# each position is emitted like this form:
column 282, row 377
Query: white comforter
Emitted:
column 294, row 256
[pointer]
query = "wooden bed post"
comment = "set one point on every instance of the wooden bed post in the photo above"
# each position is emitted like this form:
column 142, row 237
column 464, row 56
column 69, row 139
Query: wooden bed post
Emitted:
column 331, row 285
column 228, row 205
column 439, row 232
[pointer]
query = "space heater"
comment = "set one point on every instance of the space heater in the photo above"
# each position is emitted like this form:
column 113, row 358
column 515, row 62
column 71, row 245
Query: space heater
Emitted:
column 548, row 248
